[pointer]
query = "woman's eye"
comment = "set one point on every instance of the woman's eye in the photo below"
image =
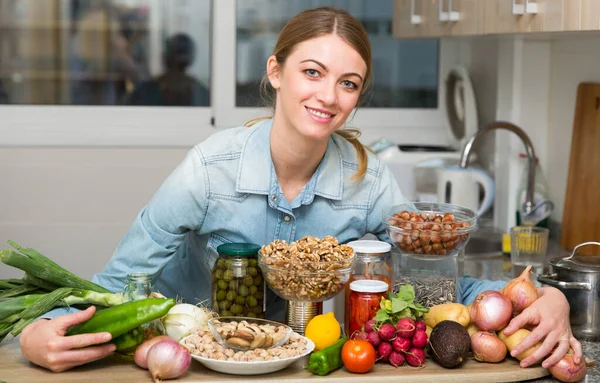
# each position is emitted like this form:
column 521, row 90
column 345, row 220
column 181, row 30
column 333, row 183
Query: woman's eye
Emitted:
column 349, row 84
column 312, row 72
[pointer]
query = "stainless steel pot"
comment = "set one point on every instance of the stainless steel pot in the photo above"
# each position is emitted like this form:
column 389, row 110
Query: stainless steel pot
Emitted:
column 578, row 277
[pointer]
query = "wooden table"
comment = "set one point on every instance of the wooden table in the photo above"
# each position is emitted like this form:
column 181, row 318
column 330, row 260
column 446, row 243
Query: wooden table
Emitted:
column 14, row 368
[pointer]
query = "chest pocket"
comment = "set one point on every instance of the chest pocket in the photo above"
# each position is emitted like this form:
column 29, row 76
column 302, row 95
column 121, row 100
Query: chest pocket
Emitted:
column 214, row 241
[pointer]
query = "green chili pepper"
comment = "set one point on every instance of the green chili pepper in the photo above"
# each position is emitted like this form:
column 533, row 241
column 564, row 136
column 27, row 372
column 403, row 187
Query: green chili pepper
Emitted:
column 130, row 340
column 120, row 319
column 328, row 359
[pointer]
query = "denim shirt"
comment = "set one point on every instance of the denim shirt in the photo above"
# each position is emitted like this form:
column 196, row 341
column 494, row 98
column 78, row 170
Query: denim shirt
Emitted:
column 226, row 190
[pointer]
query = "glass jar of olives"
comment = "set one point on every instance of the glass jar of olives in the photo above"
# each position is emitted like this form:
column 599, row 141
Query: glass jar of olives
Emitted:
column 238, row 287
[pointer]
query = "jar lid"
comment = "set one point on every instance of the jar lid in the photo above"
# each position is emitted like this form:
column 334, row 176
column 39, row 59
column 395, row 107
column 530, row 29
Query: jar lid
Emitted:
column 238, row 249
column 368, row 286
column 370, row 246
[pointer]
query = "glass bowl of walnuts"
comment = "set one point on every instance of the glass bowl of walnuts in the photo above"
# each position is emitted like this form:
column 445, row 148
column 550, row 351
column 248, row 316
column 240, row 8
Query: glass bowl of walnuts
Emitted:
column 430, row 229
column 308, row 270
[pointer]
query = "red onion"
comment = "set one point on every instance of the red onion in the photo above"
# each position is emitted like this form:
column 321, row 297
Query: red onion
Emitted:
column 487, row 347
column 491, row 311
column 521, row 291
column 168, row 359
column 567, row 371
column 141, row 352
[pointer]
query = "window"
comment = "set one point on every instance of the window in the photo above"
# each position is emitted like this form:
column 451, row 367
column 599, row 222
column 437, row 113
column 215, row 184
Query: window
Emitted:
column 107, row 57
column 406, row 71
column 105, row 52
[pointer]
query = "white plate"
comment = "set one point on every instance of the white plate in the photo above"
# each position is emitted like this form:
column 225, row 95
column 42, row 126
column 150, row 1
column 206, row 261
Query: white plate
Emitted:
column 252, row 368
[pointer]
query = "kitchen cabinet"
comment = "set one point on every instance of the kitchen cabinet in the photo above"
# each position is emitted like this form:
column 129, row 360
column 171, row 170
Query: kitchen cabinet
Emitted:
column 441, row 18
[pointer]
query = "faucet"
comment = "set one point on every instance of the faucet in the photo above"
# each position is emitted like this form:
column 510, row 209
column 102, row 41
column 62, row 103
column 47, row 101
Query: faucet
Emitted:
column 528, row 206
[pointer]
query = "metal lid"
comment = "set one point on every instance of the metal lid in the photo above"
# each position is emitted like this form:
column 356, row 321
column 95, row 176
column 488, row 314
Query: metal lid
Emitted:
column 579, row 262
column 238, row 249
column 368, row 286
column 370, row 246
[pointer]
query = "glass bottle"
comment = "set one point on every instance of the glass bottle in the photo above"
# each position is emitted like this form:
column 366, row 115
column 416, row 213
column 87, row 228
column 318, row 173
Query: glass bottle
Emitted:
column 364, row 301
column 139, row 286
column 238, row 286
column 373, row 262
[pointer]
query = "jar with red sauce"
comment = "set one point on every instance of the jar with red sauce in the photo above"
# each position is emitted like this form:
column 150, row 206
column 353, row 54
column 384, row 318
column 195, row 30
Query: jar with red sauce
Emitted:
column 365, row 296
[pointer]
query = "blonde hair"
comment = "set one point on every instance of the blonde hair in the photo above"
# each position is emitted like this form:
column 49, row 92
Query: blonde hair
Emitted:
column 314, row 23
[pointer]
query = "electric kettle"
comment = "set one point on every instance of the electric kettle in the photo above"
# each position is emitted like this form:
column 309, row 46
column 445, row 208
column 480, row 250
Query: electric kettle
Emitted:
column 461, row 186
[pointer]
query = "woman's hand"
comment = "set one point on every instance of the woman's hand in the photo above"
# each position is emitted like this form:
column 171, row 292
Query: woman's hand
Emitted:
column 549, row 318
column 44, row 342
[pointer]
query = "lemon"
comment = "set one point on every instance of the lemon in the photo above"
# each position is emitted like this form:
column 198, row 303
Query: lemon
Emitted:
column 324, row 330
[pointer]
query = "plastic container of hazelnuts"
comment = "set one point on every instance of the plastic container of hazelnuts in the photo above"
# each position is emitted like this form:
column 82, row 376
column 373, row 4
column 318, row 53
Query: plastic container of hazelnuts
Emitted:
column 429, row 238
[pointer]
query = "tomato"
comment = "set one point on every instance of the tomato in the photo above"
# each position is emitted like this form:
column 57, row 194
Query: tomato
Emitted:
column 359, row 356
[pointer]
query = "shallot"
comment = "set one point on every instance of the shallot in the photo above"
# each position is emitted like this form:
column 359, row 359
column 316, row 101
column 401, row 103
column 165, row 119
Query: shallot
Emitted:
column 140, row 355
column 168, row 359
column 567, row 371
column 491, row 311
column 521, row 291
column 487, row 347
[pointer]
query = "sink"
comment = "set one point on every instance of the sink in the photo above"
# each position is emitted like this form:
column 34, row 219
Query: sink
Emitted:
column 483, row 246
column 483, row 256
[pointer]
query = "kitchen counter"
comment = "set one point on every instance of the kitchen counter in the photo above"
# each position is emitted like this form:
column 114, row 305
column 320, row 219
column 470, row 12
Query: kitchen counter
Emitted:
column 14, row 368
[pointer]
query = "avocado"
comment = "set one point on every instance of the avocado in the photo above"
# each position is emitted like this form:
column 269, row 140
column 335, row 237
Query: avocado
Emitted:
column 449, row 343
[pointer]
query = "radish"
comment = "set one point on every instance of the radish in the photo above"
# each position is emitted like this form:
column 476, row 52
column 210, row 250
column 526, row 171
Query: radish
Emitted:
column 415, row 357
column 401, row 344
column 369, row 325
column 396, row 359
column 374, row 339
column 419, row 340
column 386, row 332
column 359, row 335
column 405, row 328
column 384, row 350
column 420, row 325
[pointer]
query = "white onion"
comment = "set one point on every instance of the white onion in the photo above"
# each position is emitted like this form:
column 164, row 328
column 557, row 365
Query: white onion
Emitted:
column 178, row 326
column 200, row 314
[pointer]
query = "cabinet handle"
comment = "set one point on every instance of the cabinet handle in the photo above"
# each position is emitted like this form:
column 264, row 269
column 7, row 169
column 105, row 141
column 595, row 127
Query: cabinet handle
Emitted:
column 414, row 18
column 448, row 15
column 529, row 6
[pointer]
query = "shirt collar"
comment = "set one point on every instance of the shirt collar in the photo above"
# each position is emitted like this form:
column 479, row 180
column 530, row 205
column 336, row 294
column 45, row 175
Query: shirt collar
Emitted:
column 254, row 171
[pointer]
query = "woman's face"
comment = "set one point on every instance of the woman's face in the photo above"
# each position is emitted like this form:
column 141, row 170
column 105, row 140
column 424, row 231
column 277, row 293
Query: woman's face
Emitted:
column 318, row 86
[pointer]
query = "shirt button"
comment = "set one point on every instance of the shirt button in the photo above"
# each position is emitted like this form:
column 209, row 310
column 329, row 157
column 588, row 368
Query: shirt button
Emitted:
column 286, row 218
column 273, row 198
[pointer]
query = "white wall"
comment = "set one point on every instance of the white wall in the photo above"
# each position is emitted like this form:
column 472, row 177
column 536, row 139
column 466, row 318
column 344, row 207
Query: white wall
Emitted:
column 75, row 204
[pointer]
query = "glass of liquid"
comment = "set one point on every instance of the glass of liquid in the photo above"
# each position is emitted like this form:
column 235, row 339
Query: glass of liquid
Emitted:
column 528, row 247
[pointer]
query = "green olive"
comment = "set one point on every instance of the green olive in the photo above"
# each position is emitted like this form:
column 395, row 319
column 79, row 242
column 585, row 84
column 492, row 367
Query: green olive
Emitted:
column 222, row 284
column 259, row 295
column 221, row 263
column 245, row 262
column 243, row 291
column 233, row 285
column 253, row 262
column 251, row 315
column 224, row 305
column 240, row 300
column 218, row 274
column 226, row 313
column 256, row 310
column 228, row 275
column 258, row 280
column 251, row 301
column 229, row 263
column 237, row 309
column 221, row 295
column 248, row 281
column 252, row 271
column 252, row 290
column 230, row 295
